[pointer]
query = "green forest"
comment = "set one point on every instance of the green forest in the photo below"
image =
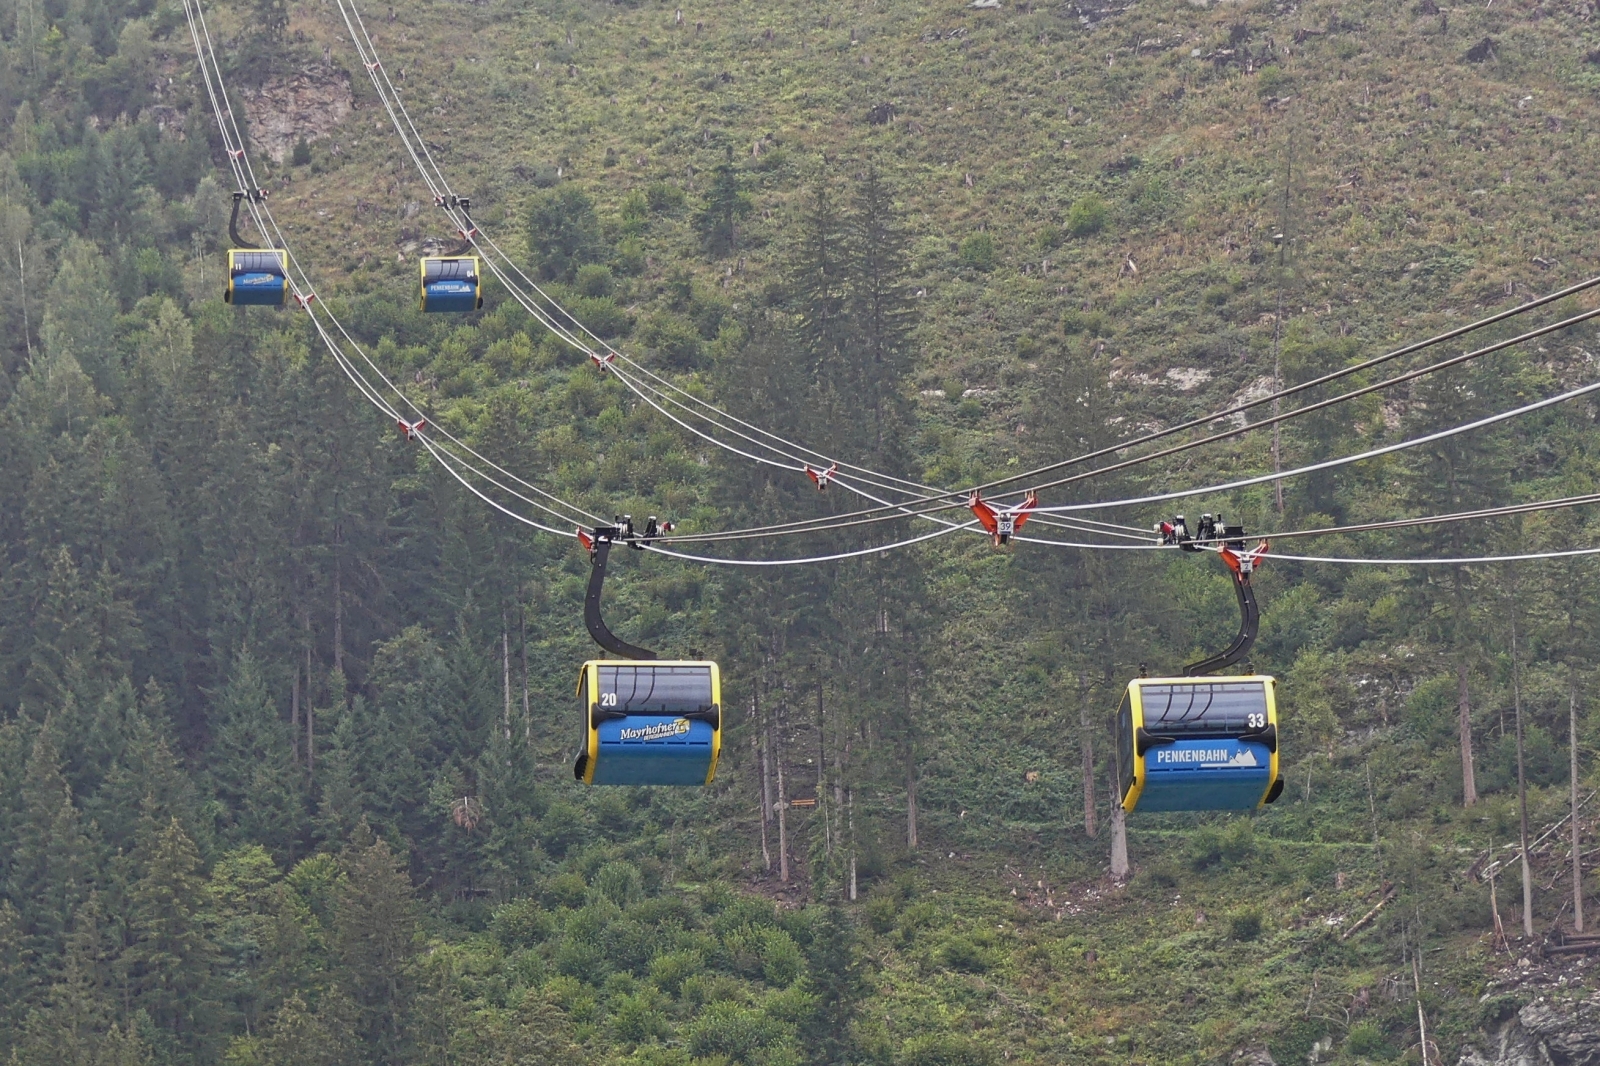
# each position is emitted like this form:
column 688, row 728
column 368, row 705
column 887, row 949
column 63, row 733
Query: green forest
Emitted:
column 286, row 712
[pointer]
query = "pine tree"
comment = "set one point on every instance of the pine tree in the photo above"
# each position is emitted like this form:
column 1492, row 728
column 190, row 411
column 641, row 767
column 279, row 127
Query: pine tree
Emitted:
column 726, row 203
column 51, row 868
column 249, row 762
column 374, row 940
column 80, row 315
column 834, row 977
column 169, row 958
column 78, row 1008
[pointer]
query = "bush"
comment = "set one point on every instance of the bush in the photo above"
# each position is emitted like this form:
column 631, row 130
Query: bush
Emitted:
column 744, row 1035
column 781, row 960
column 563, row 232
column 674, row 339
column 1215, row 847
column 882, row 909
column 629, row 257
column 944, row 1049
column 1245, row 924
column 663, row 197
column 620, row 883
column 1272, row 81
column 594, row 279
column 1088, row 215
column 961, row 953
column 671, row 970
column 1366, row 1040
column 978, row 252
column 522, row 923
column 601, row 315
column 302, row 153
column 639, row 1017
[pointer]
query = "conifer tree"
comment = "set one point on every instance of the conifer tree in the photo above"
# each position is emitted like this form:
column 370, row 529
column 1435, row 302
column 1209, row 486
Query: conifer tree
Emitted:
column 834, row 977
column 249, row 761
column 169, row 959
column 374, row 940
column 51, row 868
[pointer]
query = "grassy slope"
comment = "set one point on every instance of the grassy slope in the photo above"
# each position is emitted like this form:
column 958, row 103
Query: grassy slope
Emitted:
column 1423, row 186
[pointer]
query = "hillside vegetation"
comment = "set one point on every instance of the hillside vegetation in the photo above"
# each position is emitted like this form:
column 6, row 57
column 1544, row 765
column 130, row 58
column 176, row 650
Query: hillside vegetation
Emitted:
column 285, row 714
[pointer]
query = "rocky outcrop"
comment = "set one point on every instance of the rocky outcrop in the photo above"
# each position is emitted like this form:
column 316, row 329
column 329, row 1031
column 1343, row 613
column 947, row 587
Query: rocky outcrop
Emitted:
column 1550, row 1031
column 310, row 103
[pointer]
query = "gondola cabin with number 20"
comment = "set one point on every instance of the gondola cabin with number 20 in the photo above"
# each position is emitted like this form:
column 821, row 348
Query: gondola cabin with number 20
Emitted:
column 1198, row 743
column 650, row 723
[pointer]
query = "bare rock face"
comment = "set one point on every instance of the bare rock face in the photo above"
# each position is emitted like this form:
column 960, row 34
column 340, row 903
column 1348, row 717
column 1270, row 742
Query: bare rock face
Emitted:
column 1547, row 1032
column 309, row 104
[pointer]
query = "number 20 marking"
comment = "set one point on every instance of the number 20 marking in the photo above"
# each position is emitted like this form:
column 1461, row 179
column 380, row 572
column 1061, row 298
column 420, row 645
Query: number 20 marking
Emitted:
column 608, row 699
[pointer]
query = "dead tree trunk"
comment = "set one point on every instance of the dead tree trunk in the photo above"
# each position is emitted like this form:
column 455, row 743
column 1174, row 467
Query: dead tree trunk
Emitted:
column 911, row 769
column 1086, row 744
column 1469, row 782
column 1577, row 832
column 783, row 799
column 850, row 817
column 522, row 633
column 311, row 710
column 766, row 779
column 1522, row 786
column 505, row 677
column 294, row 718
column 1119, row 819
column 822, row 777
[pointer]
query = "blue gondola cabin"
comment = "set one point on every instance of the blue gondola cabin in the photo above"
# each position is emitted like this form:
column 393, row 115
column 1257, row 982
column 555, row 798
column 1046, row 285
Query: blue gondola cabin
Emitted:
column 451, row 284
column 649, row 722
column 257, row 277
column 1198, row 744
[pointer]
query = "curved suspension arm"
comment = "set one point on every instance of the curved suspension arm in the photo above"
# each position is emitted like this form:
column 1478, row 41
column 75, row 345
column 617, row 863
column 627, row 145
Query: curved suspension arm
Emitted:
column 598, row 629
column 233, row 225
column 1240, row 566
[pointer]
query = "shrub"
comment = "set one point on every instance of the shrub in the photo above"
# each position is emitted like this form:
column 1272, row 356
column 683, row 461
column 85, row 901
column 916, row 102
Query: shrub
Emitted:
column 594, row 279
column 1048, row 237
column 302, row 153
column 978, row 252
column 961, row 953
column 639, row 1017
column 663, row 197
column 744, row 1035
column 620, row 883
column 1215, row 847
column 671, row 970
column 602, row 316
column 1272, row 81
column 882, row 909
column 781, row 960
column 629, row 257
column 944, row 1049
column 1088, row 215
column 563, row 232
column 1245, row 924
column 522, row 923
column 674, row 339
column 1366, row 1040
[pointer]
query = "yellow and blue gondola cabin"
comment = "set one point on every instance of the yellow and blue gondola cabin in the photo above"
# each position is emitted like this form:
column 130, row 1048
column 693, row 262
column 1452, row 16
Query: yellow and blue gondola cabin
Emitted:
column 257, row 277
column 1198, row 744
column 451, row 284
column 650, row 722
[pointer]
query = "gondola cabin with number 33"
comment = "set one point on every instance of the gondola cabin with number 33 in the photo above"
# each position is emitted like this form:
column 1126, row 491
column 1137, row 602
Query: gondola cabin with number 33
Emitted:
column 1198, row 743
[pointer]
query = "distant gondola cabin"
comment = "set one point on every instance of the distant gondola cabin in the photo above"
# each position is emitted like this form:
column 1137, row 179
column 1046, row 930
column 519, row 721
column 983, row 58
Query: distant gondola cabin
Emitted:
column 451, row 284
column 649, row 722
column 1198, row 743
column 257, row 277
